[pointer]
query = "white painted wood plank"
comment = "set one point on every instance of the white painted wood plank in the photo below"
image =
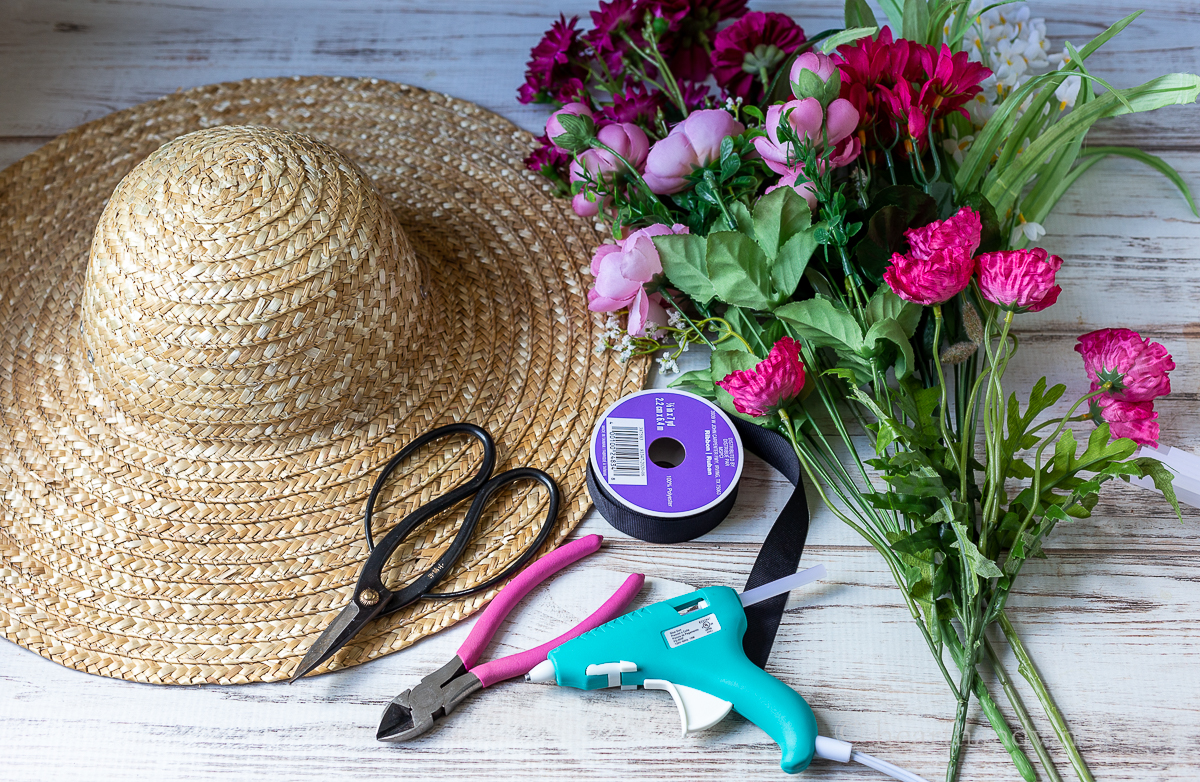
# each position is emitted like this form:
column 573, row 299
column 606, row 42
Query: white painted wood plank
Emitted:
column 1111, row 616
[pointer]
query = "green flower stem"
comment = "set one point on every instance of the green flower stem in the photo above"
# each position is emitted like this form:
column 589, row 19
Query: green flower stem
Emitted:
column 1014, row 700
column 965, row 686
column 991, row 710
column 711, row 180
column 669, row 85
column 1029, row 672
column 945, row 402
column 666, row 295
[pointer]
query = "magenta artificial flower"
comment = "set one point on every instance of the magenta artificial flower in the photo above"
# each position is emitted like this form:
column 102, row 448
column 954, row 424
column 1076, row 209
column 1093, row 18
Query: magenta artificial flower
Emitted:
column 692, row 26
column 610, row 24
column 553, row 64
column 774, row 382
column 1136, row 420
column 963, row 229
column 1128, row 367
column 904, row 105
column 951, row 79
column 1020, row 280
column 636, row 104
column 622, row 271
column 554, row 128
column 545, row 155
column 812, row 122
column 692, row 144
column 930, row 280
column 747, row 53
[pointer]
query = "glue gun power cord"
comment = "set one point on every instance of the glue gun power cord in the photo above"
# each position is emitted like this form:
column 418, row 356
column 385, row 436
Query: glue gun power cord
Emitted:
column 844, row 752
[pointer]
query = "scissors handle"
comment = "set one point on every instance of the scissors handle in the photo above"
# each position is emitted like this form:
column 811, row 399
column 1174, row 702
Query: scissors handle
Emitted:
column 370, row 591
column 427, row 580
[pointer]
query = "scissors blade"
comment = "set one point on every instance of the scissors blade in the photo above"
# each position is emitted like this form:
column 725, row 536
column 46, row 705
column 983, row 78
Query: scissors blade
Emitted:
column 344, row 627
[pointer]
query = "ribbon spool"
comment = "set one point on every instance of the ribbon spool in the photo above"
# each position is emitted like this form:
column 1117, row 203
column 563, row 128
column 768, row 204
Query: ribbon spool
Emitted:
column 698, row 500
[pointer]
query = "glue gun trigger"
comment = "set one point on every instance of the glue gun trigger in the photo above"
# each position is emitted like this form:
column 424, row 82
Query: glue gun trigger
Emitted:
column 697, row 710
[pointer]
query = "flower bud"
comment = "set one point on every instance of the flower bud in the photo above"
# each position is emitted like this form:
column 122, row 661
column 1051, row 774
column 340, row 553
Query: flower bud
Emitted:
column 814, row 75
column 571, row 128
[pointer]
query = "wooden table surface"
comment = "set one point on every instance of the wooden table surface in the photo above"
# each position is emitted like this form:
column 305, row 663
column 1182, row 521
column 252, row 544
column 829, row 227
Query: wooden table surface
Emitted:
column 1112, row 616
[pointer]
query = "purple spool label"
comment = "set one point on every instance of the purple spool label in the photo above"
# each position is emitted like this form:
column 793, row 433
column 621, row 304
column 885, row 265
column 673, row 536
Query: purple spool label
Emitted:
column 667, row 453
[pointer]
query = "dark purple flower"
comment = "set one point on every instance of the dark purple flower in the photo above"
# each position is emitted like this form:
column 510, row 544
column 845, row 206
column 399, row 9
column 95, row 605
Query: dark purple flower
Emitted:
column 636, row 104
column 553, row 63
column 751, row 50
column 610, row 25
column 693, row 25
column 545, row 155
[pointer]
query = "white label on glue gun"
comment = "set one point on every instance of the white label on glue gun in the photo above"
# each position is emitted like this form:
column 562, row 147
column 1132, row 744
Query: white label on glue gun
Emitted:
column 693, row 630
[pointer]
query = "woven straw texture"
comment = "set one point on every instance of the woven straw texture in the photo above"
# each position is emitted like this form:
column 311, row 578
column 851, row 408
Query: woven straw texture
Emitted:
column 191, row 421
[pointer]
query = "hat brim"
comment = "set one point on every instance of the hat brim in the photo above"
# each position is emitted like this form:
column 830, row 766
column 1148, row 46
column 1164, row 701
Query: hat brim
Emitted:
column 160, row 559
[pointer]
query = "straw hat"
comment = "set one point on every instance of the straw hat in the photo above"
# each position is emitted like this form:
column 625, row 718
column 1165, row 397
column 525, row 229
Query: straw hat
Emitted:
column 320, row 270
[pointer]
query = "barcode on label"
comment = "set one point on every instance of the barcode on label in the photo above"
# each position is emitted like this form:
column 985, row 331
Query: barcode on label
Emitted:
column 626, row 451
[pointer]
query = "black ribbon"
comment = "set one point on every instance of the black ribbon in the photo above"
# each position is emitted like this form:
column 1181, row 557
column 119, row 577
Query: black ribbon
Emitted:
column 780, row 552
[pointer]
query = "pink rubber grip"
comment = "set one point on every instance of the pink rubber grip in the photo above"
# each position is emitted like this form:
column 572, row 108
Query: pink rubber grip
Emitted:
column 503, row 603
column 523, row 662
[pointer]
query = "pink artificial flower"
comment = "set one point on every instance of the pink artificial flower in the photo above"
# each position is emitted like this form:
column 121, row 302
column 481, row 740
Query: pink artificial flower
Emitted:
column 904, row 104
column 813, row 123
column 964, row 229
column 627, row 140
column 647, row 315
column 930, row 280
column 554, row 128
column 1128, row 367
column 804, row 188
column 622, row 271
column 953, row 79
column 692, row 144
column 585, row 206
column 1136, row 420
column 820, row 64
column 1020, row 280
column 751, row 49
column 774, row 382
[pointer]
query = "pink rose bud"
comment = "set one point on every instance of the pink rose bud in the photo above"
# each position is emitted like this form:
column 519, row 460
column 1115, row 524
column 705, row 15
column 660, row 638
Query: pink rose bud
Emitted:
column 814, row 75
column 932, row 280
column 775, row 381
column 554, row 127
column 583, row 206
column 804, row 188
column 808, row 119
column 692, row 144
column 1127, row 367
column 622, row 270
column 1020, row 280
column 963, row 229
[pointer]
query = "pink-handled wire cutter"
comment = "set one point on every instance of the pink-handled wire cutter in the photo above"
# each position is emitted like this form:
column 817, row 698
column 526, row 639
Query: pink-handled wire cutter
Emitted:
column 415, row 710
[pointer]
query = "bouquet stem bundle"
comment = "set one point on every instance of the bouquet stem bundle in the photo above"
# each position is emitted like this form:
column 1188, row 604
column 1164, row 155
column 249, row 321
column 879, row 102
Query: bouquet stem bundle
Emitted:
column 848, row 236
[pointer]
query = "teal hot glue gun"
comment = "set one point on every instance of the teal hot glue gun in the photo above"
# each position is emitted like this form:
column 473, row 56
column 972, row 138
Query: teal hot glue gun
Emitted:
column 691, row 646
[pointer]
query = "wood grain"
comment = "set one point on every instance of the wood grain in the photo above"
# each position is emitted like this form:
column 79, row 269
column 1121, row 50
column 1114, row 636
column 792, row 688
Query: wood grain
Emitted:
column 1111, row 616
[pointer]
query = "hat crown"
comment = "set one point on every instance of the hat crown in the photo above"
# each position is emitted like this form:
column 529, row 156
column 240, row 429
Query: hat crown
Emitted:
column 247, row 282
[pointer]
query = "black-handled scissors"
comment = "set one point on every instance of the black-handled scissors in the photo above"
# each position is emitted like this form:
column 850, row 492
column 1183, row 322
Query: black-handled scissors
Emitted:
column 372, row 599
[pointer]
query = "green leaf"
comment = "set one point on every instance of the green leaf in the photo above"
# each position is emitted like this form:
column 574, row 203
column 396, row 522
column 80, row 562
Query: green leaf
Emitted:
column 778, row 216
column 791, row 262
column 741, row 216
column 885, row 304
column 1064, row 452
column 850, row 35
column 859, row 14
column 823, row 325
column 1163, row 479
column 916, row 21
column 889, row 330
column 739, row 271
column 1169, row 90
column 723, row 363
column 698, row 381
column 684, row 261
column 1155, row 162
column 894, row 10
column 980, row 565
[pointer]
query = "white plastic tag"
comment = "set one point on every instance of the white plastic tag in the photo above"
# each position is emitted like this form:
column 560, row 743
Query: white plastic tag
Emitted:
column 693, row 630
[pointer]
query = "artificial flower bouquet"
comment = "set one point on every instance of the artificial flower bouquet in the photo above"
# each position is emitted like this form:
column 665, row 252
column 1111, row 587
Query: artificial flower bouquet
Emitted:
column 844, row 221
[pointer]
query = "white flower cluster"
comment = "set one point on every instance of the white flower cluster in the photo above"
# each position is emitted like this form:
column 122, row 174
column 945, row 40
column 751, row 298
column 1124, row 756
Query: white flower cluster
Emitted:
column 1013, row 43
